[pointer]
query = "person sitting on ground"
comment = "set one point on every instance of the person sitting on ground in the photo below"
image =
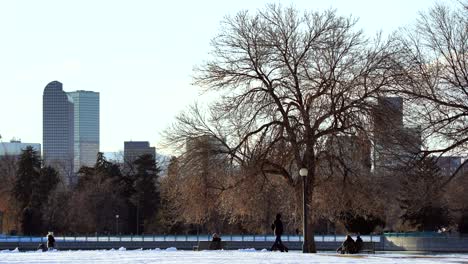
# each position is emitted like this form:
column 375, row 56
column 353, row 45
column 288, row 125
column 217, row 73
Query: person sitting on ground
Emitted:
column 348, row 246
column 42, row 247
column 216, row 238
column 215, row 242
column 50, row 241
column 359, row 244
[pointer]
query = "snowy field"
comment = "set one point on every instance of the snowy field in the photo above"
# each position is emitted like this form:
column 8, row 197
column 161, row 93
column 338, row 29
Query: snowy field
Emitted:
column 216, row 257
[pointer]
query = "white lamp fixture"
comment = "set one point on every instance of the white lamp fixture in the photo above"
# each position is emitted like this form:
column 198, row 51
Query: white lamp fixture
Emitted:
column 303, row 172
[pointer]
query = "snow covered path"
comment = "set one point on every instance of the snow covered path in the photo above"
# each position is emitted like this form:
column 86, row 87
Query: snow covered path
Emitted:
column 215, row 257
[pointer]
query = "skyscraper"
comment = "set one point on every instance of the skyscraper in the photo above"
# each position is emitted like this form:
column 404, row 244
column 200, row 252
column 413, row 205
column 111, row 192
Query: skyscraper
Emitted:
column 58, row 129
column 134, row 149
column 395, row 145
column 86, row 127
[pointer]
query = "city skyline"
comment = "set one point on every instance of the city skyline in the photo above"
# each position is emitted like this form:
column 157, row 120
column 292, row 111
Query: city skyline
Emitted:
column 138, row 57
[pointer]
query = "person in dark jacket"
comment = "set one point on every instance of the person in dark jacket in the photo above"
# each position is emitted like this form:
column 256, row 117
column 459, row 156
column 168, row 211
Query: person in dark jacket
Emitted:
column 215, row 238
column 359, row 244
column 348, row 246
column 50, row 241
column 216, row 242
column 277, row 227
column 42, row 247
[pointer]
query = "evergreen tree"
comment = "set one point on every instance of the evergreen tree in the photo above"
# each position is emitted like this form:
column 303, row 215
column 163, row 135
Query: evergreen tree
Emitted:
column 29, row 167
column 360, row 224
column 44, row 185
column 32, row 188
column 97, row 198
column 421, row 197
column 146, row 196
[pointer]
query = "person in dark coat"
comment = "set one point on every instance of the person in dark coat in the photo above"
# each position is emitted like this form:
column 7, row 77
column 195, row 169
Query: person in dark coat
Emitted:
column 359, row 244
column 42, row 247
column 50, row 241
column 348, row 246
column 277, row 227
column 215, row 242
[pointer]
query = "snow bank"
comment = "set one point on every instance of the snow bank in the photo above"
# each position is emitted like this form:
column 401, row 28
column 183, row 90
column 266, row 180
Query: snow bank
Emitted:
column 171, row 249
column 122, row 249
column 174, row 256
column 247, row 250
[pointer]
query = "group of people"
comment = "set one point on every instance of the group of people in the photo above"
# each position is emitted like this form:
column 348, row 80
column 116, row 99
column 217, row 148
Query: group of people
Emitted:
column 350, row 246
column 50, row 243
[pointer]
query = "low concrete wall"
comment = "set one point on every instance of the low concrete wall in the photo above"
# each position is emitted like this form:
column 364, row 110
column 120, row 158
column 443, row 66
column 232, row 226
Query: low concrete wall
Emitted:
column 435, row 244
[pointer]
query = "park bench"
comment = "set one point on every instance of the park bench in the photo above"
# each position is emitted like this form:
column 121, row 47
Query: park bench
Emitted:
column 209, row 245
column 368, row 247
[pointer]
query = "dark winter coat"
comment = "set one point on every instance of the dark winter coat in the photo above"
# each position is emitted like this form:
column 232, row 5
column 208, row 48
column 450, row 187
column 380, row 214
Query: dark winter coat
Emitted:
column 277, row 227
column 42, row 247
column 50, row 241
column 349, row 246
column 359, row 243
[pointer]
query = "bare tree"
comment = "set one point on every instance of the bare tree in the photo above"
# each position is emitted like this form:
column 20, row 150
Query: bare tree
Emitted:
column 287, row 81
column 434, row 77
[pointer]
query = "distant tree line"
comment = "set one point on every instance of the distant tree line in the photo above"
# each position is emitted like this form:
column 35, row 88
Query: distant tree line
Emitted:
column 38, row 203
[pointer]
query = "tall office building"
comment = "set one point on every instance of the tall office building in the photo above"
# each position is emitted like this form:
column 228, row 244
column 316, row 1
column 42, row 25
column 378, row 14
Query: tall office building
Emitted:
column 134, row 149
column 58, row 129
column 450, row 164
column 86, row 127
column 352, row 152
column 395, row 144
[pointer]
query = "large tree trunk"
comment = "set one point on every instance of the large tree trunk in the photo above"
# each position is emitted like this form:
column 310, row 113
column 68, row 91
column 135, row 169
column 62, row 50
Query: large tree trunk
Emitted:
column 310, row 246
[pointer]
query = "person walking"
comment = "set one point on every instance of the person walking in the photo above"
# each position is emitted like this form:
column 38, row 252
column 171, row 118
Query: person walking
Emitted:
column 277, row 227
column 50, row 241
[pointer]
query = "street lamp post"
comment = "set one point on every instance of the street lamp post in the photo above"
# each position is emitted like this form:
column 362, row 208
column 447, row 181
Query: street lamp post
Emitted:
column 303, row 172
column 117, row 224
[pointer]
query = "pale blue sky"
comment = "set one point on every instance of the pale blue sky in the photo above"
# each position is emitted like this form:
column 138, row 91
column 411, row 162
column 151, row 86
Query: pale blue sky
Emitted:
column 138, row 54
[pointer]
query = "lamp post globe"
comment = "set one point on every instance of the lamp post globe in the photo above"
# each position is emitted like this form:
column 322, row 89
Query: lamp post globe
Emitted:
column 303, row 172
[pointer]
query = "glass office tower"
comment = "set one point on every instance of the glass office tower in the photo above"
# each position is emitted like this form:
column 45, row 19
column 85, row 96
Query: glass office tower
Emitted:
column 86, row 137
column 58, row 129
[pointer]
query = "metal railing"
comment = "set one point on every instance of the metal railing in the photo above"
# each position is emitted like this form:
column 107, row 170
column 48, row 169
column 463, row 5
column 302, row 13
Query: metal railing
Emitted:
column 181, row 238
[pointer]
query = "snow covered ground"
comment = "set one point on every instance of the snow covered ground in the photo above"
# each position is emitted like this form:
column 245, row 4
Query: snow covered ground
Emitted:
column 173, row 256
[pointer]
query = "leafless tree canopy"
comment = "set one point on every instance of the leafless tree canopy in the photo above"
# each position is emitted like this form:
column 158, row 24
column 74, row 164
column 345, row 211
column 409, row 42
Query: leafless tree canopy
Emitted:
column 287, row 82
column 435, row 77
